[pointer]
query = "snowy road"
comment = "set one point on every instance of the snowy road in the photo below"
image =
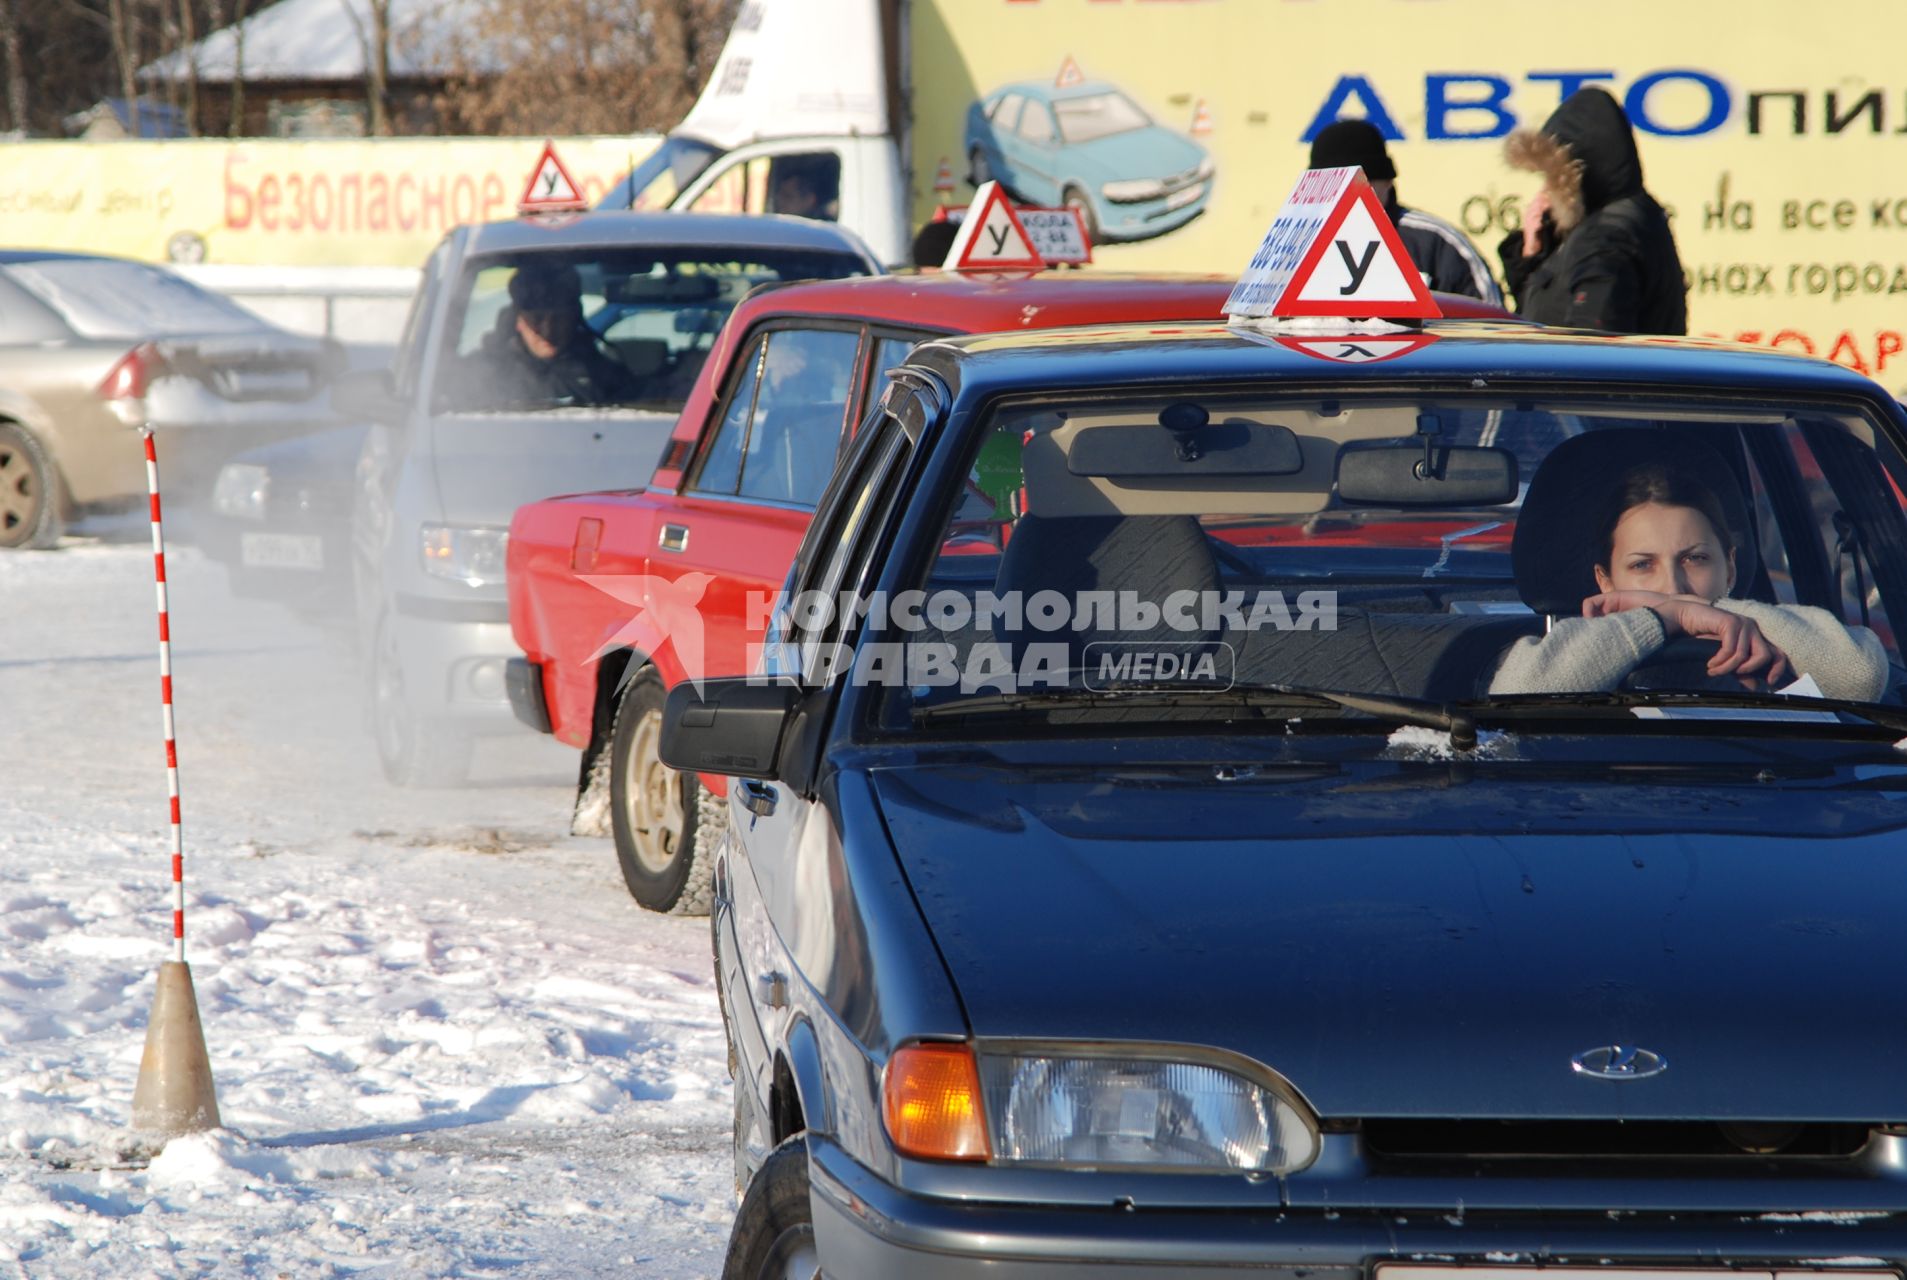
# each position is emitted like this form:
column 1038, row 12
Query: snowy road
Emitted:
column 446, row 1043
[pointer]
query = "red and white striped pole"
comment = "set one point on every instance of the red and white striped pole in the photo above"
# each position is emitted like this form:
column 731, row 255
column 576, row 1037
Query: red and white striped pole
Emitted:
column 165, row 700
column 174, row 1093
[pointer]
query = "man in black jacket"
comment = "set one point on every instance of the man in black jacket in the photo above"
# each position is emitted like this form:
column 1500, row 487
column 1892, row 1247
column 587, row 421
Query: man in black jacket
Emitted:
column 1595, row 251
column 1443, row 255
column 540, row 354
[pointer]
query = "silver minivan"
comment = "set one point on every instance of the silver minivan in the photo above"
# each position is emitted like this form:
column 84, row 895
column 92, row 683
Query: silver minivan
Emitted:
column 542, row 356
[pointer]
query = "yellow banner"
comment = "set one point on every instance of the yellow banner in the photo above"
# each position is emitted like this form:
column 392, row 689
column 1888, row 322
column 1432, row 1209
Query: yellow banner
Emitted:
column 1775, row 133
column 330, row 202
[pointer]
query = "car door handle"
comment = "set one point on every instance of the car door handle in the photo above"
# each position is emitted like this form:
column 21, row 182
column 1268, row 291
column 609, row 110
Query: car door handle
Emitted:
column 674, row 537
column 758, row 798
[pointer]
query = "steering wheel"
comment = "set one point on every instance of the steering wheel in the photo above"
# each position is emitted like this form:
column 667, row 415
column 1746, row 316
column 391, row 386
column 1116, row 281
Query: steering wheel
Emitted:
column 1680, row 666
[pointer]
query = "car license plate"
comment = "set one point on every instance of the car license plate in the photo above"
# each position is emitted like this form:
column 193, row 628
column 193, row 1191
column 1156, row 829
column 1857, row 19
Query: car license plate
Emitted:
column 1179, row 199
column 281, row 550
column 265, row 384
column 1386, row 1271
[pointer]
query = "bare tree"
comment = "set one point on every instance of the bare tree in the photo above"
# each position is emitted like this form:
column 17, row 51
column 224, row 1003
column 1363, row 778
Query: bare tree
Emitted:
column 374, row 38
column 581, row 66
column 16, row 73
column 127, row 59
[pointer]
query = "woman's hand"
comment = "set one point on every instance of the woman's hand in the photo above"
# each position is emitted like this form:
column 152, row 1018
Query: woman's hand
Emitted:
column 1743, row 651
column 1533, row 223
column 1622, row 601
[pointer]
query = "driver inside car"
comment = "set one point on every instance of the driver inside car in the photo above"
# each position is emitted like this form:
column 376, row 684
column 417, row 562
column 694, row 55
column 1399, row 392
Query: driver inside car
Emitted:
column 1666, row 560
column 541, row 354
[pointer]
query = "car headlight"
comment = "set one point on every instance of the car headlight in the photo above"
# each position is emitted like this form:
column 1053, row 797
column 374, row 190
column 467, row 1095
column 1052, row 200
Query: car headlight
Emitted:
column 240, row 491
column 1133, row 189
column 1093, row 1109
column 1206, row 169
column 469, row 554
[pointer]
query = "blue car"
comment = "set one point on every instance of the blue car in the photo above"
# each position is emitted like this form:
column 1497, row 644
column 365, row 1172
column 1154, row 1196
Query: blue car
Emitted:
column 1090, row 147
column 1413, row 807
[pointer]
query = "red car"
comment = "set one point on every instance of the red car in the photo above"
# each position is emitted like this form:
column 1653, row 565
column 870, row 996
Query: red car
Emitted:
column 616, row 596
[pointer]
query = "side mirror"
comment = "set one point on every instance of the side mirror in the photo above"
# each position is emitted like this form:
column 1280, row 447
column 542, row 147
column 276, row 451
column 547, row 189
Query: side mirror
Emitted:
column 365, row 395
column 730, row 726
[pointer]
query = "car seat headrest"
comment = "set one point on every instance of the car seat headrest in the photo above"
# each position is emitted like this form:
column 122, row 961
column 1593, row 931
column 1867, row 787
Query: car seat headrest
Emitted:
column 1561, row 527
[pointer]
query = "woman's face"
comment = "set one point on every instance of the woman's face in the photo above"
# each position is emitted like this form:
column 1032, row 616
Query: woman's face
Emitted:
column 1673, row 551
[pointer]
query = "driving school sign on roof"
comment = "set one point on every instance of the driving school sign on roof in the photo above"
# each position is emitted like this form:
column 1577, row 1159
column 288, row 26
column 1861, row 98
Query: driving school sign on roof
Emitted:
column 1331, row 251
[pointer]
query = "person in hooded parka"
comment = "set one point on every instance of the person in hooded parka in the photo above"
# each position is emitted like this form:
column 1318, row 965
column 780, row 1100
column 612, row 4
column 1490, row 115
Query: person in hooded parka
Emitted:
column 1595, row 250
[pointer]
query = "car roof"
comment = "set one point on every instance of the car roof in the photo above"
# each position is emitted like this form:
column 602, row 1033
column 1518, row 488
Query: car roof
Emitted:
column 610, row 227
column 958, row 302
column 1056, row 93
column 1456, row 352
column 9, row 257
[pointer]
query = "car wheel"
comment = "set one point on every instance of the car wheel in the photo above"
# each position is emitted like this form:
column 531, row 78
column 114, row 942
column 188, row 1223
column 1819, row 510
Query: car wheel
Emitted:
column 774, row 1230
column 413, row 751
column 30, row 492
column 658, row 816
column 1076, row 199
column 979, row 172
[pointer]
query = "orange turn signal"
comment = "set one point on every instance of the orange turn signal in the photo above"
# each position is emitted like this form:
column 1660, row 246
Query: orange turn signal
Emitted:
column 931, row 1101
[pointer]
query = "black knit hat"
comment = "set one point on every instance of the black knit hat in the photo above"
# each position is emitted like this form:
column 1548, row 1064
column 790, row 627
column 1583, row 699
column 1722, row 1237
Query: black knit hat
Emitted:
column 1352, row 142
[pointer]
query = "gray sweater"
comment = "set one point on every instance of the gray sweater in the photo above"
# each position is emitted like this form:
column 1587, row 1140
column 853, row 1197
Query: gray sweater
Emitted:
column 1592, row 655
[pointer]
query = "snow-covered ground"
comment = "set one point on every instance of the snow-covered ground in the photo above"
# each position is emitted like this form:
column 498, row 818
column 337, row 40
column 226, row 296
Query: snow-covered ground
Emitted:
column 445, row 1041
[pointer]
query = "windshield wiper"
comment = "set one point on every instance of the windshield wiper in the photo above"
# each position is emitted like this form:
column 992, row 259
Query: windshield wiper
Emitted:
column 1458, row 722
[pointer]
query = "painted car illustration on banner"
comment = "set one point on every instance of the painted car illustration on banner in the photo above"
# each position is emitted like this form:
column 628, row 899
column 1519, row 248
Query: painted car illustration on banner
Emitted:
column 1089, row 146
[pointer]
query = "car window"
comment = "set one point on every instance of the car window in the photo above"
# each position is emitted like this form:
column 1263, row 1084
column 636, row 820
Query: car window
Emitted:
column 1301, row 550
column 806, row 185
column 1006, row 112
column 107, row 298
column 600, row 328
column 844, row 548
column 23, row 319
column 1036, row 122
column 409, row 366
column 1098, row 115
column 782, row 428
column 721, row 467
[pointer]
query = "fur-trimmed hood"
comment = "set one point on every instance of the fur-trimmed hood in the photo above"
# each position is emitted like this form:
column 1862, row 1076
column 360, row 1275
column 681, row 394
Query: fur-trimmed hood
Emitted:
column 1585, row 153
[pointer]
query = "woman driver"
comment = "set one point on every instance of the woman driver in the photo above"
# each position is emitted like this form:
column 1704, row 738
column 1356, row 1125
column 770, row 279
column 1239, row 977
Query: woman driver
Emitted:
column 1666, row 563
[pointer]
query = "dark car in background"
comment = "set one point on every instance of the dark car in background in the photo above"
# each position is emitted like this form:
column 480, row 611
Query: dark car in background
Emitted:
column 92, row 348
column 1222, row 908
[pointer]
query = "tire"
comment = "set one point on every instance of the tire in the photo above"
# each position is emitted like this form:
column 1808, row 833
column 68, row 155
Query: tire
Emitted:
column 664, row 822
column 1074, row 198
column 774, row 1235
column 979, row 172
column 32, row 499
column 413, row 751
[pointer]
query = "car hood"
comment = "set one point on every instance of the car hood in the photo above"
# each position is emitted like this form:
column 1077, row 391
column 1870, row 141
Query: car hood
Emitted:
column 1396, row 944
column 1152, row 152
column 489, row 464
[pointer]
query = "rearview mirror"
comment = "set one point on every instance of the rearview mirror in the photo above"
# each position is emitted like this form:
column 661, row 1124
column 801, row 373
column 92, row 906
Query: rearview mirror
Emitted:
column 730, row 726
column 365, row 395
column 1420, row 475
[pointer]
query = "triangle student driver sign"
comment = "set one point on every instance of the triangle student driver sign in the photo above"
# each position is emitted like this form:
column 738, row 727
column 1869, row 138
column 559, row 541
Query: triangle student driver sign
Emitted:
column 991, row 237
column 551, row 189
column 1331, row 251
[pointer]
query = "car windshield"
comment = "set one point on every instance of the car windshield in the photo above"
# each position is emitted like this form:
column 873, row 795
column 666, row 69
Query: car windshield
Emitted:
column 104, row 298
column 662, row 174
column 1442, row 549
column 601, row 328
column 1098, row 115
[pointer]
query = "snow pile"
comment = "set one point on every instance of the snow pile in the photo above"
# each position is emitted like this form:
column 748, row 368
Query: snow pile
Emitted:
column 445, row 1042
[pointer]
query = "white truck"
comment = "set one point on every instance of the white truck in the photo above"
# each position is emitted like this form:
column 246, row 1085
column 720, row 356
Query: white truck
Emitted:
column 1177, row 128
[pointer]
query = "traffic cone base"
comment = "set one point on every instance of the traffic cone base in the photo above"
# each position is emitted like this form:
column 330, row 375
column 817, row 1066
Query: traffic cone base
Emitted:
column 174, row 1094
